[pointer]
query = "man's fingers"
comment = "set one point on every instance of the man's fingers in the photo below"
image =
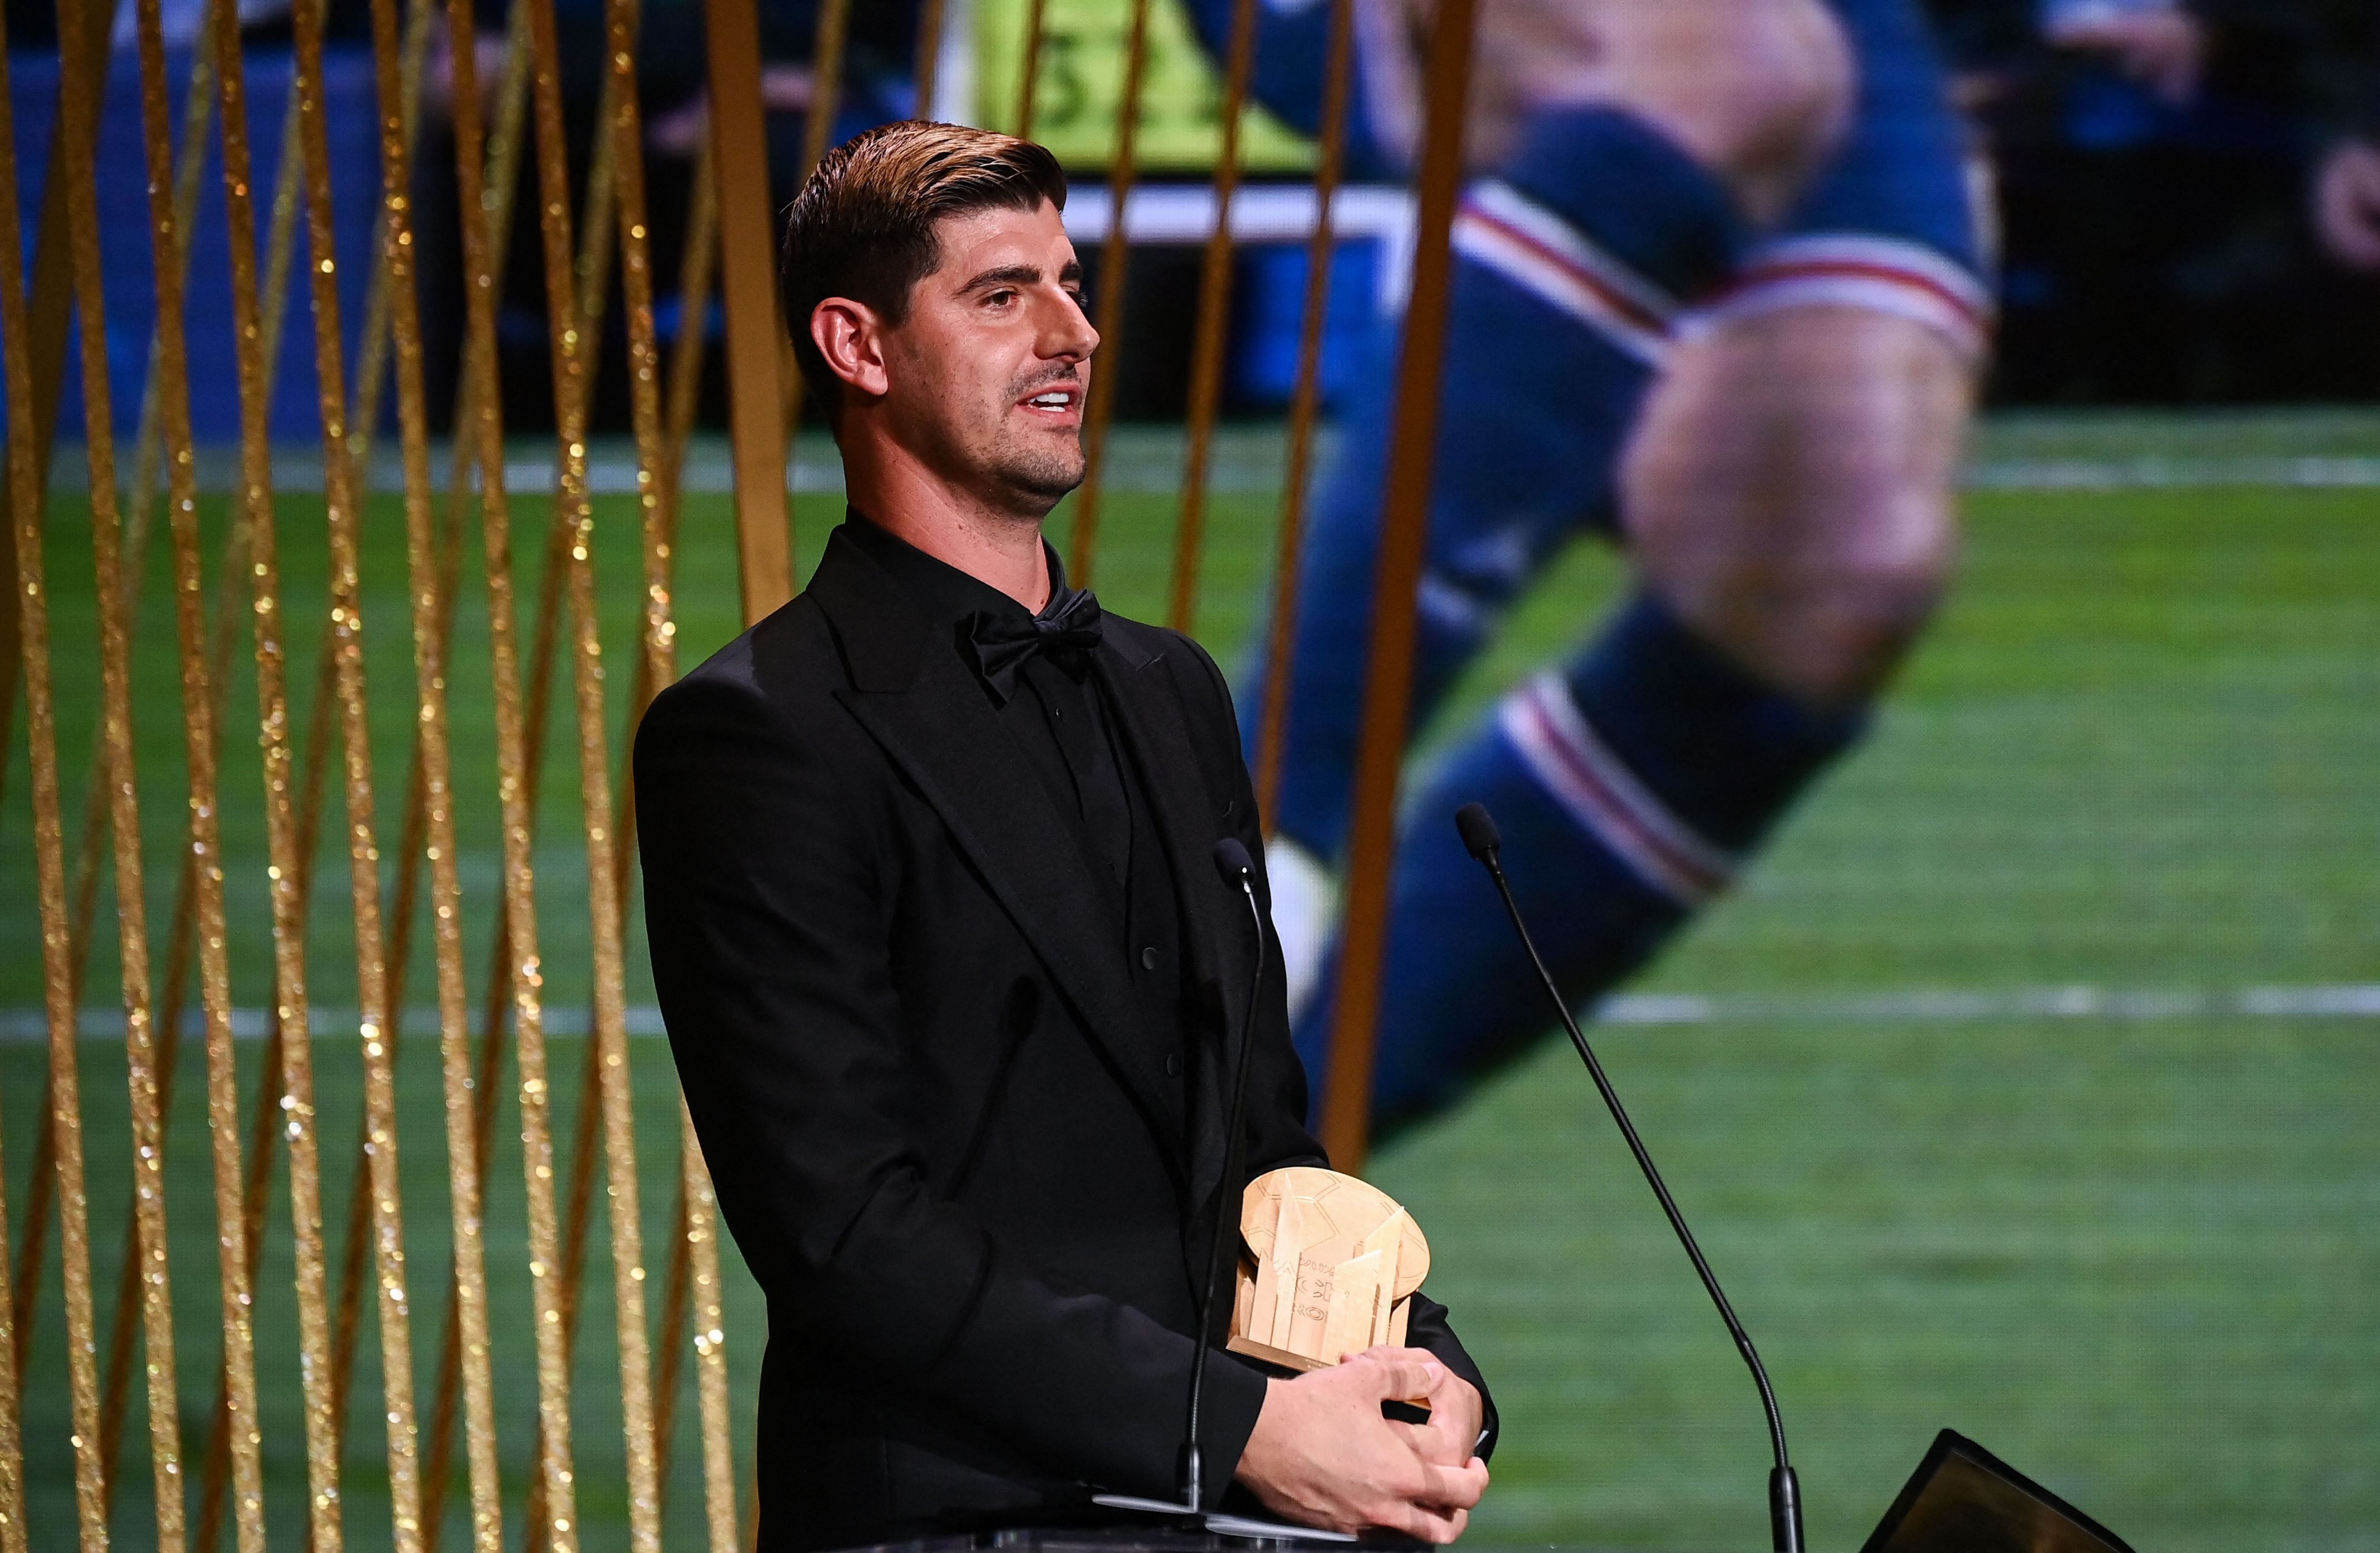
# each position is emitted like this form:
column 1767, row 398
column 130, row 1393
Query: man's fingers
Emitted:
column 1416, row 1479
column 1438, row 1441
column 1434, row 1505
column 1426, row 1442
column 1449, row 1488
column 1401, row 1372
column 1431, row 1444
column 1427, row 1525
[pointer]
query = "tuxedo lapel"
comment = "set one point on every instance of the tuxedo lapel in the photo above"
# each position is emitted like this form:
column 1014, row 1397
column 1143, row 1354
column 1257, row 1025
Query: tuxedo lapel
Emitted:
column 1215, row 916
column 931, row 717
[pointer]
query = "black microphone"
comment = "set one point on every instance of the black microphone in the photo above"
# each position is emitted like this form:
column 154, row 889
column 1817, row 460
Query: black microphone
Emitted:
column 1232, row 863
column 1479, row 839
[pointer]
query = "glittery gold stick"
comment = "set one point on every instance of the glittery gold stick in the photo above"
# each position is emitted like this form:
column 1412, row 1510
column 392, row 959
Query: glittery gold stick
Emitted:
column 292, row 1078
column 684, row 384
column 202, row 871
column 523, row 974
column 44, row 342
column 343, row 518
column 571, row 350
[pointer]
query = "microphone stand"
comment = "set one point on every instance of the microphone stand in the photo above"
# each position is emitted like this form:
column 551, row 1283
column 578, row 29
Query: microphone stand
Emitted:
column 1481, row 840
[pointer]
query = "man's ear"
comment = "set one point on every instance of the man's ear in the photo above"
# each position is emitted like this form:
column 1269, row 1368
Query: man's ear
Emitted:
column 850, row 336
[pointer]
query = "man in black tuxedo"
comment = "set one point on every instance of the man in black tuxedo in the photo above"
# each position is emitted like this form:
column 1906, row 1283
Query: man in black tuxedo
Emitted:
column 952, row 983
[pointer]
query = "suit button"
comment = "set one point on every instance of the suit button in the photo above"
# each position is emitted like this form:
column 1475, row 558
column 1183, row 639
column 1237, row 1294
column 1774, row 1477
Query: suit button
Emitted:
column 1173, row 1065
column 1149, row 958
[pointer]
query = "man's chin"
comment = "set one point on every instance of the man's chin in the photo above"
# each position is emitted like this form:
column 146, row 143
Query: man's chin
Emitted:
column 1044, row 479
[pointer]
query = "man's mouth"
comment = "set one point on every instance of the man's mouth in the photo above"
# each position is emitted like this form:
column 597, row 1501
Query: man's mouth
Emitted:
column 1055, row 402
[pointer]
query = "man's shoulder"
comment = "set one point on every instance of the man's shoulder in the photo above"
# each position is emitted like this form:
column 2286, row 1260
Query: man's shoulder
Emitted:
column 1174, row 680
column 785, row 668
column 1173, row 658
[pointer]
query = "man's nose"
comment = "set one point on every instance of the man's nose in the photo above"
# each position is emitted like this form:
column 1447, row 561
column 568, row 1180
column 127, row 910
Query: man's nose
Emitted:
column 1066, row 330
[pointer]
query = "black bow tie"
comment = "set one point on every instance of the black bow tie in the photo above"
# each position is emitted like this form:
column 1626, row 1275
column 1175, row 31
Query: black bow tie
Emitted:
column 1001, row 641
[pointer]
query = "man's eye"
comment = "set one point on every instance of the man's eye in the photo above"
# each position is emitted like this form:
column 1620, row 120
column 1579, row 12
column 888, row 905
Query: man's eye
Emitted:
column 1001, row 299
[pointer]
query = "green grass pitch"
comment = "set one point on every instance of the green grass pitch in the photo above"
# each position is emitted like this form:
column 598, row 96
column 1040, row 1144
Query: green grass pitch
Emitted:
column 2135, row 1256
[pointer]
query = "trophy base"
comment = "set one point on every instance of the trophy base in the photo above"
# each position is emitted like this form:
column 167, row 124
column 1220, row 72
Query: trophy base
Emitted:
column 1301, row 1362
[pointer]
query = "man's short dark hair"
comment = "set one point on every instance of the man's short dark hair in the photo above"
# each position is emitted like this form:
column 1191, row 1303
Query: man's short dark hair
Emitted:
column 862, row 226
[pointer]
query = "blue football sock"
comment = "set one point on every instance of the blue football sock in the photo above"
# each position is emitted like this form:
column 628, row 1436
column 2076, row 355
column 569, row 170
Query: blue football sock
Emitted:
column 1900, row 173
column 1569, row 267
column 1893, row 224
column 1629, row 788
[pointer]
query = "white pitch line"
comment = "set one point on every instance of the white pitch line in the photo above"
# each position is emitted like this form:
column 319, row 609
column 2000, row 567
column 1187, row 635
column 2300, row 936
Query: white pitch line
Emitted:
column 2354, row 1000
column 2159, row 473
column 1920, row 1006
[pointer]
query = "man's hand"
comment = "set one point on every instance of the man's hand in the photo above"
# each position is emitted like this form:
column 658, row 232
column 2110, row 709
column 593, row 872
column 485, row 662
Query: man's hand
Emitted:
column 1455, row 1415
column 2347, row 205
column 1322, row 1455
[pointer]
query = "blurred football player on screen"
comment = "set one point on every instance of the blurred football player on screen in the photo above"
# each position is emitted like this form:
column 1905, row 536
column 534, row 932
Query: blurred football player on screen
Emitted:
column 1720, row 293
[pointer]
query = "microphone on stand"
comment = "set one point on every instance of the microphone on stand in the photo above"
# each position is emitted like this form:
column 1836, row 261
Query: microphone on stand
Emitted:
column 1480, row 839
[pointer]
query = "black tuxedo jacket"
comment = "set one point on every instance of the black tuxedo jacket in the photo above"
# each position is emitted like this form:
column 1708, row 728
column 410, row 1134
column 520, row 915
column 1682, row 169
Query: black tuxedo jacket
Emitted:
column 973, row 1183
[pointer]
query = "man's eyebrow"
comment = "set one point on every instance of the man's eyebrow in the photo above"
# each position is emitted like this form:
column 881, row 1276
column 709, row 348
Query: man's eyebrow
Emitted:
column 1022, row 275
column 1005, row 274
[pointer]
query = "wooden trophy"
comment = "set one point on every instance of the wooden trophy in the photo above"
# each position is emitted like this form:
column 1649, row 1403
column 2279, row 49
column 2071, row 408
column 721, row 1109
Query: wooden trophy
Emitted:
column 1327, row 1267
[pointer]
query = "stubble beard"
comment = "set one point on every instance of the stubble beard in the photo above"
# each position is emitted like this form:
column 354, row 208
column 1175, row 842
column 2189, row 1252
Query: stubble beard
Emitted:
column 1041, row 477
column 1016, row 471
column 1037, row 469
